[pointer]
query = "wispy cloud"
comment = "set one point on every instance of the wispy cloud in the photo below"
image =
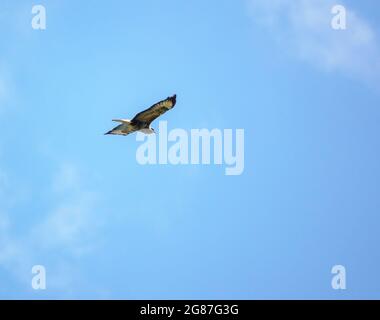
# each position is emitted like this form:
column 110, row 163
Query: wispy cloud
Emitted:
column 13, row 256
column 5, row 86
column 303, row 28
column 71, row 221
column 69, row 227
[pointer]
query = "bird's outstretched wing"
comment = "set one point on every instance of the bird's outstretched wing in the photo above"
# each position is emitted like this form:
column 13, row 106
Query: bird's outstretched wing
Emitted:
column 122, row 129
column 150, row 114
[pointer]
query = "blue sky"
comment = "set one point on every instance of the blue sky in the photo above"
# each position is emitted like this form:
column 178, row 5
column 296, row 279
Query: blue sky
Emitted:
column 104, row 226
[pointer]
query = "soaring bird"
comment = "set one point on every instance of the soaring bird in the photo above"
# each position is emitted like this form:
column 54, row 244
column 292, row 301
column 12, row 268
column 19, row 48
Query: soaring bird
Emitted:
column 143, row 120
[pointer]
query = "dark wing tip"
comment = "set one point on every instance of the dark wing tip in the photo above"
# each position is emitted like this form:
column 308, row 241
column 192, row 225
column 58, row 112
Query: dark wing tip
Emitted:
column 173, row 99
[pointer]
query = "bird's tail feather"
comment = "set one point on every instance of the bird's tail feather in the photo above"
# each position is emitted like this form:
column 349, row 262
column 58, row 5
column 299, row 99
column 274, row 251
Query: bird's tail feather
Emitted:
column 122, row 120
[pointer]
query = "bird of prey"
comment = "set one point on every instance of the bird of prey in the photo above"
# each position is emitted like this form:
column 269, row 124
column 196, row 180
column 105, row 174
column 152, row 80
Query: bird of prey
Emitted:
column 143, row 120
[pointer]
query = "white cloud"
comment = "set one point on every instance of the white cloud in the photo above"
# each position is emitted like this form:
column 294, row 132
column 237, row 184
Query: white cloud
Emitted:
column 69, row 227
column 303, row 28
column 71, row 222
column 6, row 92
column 67, row 178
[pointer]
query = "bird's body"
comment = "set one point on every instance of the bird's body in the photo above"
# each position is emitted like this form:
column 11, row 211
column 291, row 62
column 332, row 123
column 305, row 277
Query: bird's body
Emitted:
column 142, row 121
